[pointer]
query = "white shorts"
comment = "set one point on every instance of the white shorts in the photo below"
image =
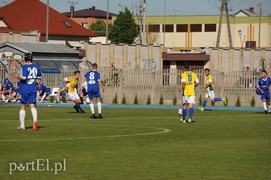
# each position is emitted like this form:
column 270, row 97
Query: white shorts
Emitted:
column 189, row 99
column 73, row 96
column 210, row 94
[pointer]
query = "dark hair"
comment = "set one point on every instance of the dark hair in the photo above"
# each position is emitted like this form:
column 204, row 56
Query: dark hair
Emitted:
column 95, row 65
column 207, row 69
column 75, row 72
column 264, row 71
column 28, row 57
column 186, row 65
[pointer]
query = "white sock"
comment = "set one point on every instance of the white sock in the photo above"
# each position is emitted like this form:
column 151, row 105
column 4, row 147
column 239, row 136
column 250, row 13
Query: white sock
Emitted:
column 264, row 106
column 34, row 114
column 3, row 97
column 22, row 116
column 99, row 107
column 92, row 108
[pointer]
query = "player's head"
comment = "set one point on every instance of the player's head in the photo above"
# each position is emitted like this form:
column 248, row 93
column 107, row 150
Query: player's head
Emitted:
column 264, row 73
column 28, row 57
column 77, row 74
column 186, row 65
column 94, row 66
column 207, row 71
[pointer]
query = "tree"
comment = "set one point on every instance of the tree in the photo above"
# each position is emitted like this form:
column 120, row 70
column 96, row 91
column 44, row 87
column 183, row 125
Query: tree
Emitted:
column 99, row 25
column 124, row 28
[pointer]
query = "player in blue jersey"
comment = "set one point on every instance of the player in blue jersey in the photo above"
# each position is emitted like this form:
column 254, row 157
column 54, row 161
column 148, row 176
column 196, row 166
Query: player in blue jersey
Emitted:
column 93, row 79
column 263, row 90
column 7, row 90
column 41, row 93
column 28, row 90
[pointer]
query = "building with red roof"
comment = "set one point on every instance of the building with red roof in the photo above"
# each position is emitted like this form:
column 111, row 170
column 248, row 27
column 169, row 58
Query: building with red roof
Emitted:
column 26, row 16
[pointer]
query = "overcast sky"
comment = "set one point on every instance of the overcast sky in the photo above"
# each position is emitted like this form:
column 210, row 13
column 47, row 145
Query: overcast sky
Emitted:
column 156, row 7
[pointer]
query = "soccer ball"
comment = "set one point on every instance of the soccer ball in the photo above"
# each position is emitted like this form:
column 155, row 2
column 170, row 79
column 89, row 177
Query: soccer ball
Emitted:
column 180, row 112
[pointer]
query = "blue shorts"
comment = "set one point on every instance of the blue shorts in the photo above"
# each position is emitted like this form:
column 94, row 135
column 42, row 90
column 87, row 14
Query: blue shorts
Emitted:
column 265, row 96
column 94, row 93
column 29, row 98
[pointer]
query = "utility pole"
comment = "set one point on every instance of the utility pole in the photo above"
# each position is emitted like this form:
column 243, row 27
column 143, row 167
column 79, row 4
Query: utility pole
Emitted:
column 260, row 21
column 140, row 21
column 47, row 21
column 72, row 7
column 224, row 6
column 107, row 16
column 144, row 21
column 164, row 28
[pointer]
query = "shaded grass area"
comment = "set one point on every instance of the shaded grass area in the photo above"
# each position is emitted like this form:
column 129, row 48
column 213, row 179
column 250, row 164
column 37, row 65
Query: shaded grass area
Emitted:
column 135, row 144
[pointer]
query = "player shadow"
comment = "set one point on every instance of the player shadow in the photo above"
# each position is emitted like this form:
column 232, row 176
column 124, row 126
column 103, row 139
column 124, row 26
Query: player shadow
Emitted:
column 31, row 127
column 260, row 112
column 208, row 110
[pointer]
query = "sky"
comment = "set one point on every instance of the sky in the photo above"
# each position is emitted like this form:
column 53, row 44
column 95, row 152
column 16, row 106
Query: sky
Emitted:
column 157, row 8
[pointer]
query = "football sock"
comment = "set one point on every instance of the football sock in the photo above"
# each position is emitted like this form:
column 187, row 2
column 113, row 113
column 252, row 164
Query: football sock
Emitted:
column 22, row 116
column 3, row 97
column 184, row 114
column 79, row 107
column 264, row 106
column 99, row 107
column 204, row 103
column 91, row 108
column 191, row 111
column 218, row 99
column 34, row 114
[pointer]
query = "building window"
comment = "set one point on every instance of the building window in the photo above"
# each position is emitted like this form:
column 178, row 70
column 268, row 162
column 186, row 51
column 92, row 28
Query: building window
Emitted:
column 154, row 28
column 168, row 28
column 84, row 24
column 181, row 28
column 210, row 27
column 196, row 28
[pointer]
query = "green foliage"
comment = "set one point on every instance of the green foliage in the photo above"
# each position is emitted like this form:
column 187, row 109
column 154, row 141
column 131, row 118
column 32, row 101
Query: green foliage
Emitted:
column 64, row 99
column 174, row 101
column 149, row 100
column 238, row 103
column 124, row 28
column 123, row 99
column 200, row 100
column 161, row 100
column 52, row 98
column 135, row 99
column 113, row 79
column 115, row 99
column 212, row 103
column 99, row 25
column 227, row 101
column 252, row 102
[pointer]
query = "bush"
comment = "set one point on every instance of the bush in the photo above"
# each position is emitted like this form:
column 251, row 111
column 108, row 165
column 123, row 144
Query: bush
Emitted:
column 161, row 100
column 115, row 99
column 149, row 100
column 174, row 101
column 238, row 103
column 123, row 99
column 252, row 102
column 212, row 103
column 52, row 98
column 135, row 99
column 200, row 100
column 227, row 101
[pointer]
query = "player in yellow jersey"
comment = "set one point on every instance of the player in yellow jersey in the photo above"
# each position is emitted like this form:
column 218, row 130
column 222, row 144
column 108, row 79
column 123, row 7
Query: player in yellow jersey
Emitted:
column 72, row 90
column 189, row 82
column 209, row 86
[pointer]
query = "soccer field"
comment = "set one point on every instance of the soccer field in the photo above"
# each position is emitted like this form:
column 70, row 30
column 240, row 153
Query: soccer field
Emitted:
column 135, row 143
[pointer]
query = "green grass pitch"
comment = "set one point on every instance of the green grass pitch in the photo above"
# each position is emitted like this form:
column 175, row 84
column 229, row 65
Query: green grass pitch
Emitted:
column 135, row 144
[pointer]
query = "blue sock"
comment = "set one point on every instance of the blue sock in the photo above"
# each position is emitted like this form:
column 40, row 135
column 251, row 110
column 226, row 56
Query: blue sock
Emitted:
column 79, row 107
column 218, row 99
column 191, row 111
column 184, row 113
column 204, row 103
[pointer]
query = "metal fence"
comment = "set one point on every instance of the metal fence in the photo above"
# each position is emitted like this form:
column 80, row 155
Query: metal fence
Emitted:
column 160, row 83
